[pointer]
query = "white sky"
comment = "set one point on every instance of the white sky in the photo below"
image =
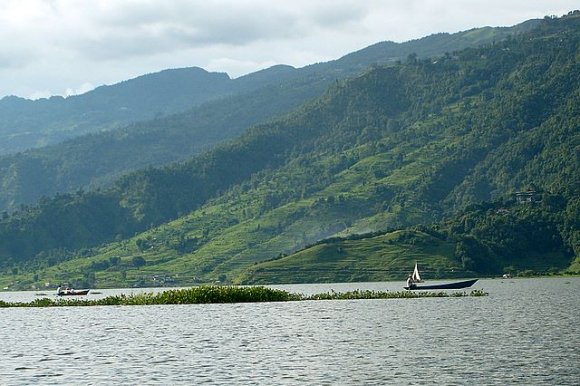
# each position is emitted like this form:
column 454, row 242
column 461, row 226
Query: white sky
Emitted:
column 64, row 47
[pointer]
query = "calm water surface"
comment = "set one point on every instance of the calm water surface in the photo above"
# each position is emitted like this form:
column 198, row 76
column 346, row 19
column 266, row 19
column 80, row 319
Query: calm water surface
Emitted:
column 525, row 332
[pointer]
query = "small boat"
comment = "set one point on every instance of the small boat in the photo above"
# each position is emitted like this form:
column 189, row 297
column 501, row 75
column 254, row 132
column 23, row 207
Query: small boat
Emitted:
column 415, row 277
column 71, row 292
column 454, row 285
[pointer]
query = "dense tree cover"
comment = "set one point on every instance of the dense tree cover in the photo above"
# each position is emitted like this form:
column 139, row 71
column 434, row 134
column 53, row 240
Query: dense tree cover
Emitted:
column 97, row 160
column 226, row 107
column 511, row 236
column 397, row 146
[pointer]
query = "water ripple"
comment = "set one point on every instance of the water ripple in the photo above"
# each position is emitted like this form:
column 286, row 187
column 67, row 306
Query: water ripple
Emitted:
column 525, row 332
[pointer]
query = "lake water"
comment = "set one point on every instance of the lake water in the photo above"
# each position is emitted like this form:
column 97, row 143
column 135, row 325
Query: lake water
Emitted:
column 527, row 331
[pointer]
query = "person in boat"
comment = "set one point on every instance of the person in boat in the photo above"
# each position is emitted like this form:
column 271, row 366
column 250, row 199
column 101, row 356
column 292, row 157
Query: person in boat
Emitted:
column 411, row 282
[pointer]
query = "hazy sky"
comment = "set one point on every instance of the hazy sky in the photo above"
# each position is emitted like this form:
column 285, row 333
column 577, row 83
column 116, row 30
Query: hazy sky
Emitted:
column 63, row 47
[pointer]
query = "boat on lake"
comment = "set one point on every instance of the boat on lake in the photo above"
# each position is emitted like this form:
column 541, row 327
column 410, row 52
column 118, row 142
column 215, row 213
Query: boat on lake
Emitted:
column 454, row 285
column 71, row 292
column 415, row 278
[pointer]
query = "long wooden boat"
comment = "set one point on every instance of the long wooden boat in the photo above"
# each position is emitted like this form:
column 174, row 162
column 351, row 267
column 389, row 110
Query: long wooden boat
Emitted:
column 73, row 292
column 455, row 285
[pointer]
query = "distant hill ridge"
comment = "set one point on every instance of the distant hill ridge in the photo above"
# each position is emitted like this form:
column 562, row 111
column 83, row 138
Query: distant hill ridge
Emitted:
column 26, row 124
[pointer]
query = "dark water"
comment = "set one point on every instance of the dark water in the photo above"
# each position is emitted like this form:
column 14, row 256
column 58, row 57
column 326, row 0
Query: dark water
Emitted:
column 525, row 332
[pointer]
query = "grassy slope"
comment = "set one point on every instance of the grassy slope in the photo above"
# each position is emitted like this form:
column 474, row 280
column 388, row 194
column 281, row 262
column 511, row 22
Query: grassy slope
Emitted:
column 385, row 257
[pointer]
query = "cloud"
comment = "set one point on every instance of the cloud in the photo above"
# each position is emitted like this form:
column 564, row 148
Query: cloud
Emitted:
column 151, row 35
column 105, row 30
column 14, row 58
column 83, row 88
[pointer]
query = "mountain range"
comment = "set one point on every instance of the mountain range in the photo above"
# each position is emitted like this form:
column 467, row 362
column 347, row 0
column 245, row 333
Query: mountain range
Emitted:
column 170, row 116
column 465, row 159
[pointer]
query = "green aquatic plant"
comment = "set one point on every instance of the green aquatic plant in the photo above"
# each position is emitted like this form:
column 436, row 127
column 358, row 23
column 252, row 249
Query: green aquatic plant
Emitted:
column 478, row 292
column 232, row 294
column 368, row 294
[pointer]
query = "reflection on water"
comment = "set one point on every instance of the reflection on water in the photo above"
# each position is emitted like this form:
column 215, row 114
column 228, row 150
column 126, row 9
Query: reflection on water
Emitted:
column 525, row 331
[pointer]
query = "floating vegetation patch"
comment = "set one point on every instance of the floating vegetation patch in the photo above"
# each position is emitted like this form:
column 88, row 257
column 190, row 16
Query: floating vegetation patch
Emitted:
column 229, row 294
column 368, row 294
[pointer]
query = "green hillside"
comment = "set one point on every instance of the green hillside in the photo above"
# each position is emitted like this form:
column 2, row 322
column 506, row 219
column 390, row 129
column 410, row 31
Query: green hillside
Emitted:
column 401, row 145
column 389, row 256
column 508, row 236
column 193, row 110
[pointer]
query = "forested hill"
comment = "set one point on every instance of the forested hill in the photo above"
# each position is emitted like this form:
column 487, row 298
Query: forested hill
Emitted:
column 27, row 123
column 398, row 146
column 225, row 108
column 512, row 235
